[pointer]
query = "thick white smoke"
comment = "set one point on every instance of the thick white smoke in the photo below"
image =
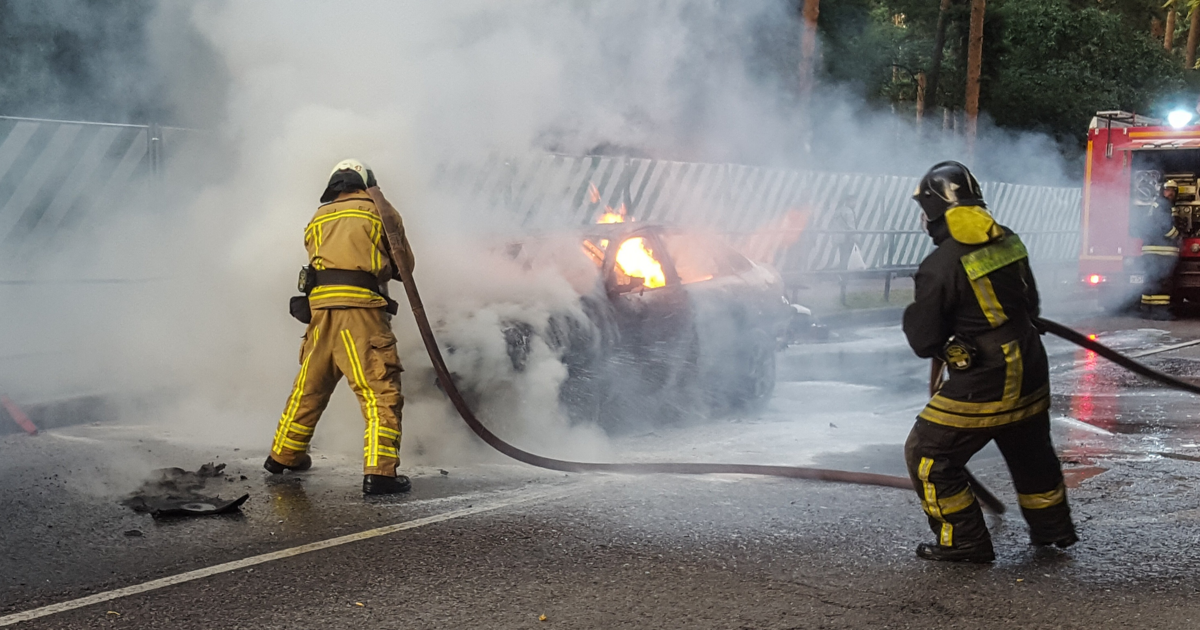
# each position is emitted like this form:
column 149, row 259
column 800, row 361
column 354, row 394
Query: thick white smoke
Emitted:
column 406, row 86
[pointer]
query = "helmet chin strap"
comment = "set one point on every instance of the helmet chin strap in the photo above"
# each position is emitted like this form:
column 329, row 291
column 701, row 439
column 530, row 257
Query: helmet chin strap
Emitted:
column 924, row 222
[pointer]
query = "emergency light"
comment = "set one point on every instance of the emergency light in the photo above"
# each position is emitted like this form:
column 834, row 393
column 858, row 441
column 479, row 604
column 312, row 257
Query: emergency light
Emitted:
column 1179, row 118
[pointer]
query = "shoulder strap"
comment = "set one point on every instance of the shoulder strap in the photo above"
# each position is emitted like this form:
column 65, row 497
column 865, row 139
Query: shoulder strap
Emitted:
column 1002, row 253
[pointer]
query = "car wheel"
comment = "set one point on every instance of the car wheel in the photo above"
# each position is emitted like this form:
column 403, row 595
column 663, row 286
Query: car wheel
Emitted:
column 758, row 383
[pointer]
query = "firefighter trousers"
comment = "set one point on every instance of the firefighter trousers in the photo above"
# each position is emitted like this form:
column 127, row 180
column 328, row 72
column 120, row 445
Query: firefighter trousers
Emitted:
column 358, row 343
column 937, row 456
column 1158, row 264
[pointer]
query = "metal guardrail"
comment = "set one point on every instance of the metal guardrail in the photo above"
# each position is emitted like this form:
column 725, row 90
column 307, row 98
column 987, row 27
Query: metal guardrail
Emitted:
column 55, row 174
column 782, row 217
column 890, row 249
column 891, row 254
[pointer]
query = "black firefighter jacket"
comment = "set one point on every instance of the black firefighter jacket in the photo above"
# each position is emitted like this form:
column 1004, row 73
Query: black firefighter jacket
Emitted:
column 977, row 286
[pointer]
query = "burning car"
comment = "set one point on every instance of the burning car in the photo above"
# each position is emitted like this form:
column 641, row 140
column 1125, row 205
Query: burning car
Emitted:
column 672, row 323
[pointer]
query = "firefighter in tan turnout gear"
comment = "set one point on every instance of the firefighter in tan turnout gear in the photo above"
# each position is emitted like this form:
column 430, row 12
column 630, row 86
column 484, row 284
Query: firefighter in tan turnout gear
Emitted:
column 975, row 308
column 348, row 312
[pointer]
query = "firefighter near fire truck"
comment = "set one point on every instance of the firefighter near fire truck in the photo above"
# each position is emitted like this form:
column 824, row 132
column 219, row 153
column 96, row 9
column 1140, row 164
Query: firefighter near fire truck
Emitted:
column 1126, row 205
column 1160, row 252
column 975, row 308
column 345, row 303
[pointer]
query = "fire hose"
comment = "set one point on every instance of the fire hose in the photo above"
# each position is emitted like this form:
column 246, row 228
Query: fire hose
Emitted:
column 1088, row 343
column 494, row 441
column 986, row 498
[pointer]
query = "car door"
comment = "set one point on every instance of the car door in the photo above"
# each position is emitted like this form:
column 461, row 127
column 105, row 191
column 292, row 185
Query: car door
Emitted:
column 652, row 311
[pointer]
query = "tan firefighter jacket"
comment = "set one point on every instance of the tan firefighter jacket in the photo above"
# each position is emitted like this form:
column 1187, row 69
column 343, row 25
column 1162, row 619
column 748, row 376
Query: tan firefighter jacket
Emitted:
column 348, row 234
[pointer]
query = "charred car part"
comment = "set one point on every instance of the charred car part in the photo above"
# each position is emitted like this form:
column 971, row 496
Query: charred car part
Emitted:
column 670, row 323
column 177, row 492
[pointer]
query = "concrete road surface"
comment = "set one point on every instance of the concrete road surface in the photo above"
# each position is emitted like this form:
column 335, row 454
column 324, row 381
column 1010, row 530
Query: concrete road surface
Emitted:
column 501, row 545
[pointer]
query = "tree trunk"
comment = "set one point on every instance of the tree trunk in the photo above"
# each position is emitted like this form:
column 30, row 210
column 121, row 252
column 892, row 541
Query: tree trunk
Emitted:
column 808, row 49
column 1169, row 33
column 974, row 69
column 921, row 83
column 939, row 43
column 1189, row 60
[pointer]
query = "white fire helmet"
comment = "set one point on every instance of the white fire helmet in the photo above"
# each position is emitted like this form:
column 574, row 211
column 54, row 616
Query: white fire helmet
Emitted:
column 353, row 165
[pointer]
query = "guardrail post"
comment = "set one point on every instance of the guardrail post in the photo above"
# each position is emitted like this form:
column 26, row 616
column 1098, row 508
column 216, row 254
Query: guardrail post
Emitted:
column 154, row 148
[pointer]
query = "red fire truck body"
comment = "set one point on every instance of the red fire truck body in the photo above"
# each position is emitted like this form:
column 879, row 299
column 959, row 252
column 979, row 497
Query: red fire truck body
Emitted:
column 1128, row 159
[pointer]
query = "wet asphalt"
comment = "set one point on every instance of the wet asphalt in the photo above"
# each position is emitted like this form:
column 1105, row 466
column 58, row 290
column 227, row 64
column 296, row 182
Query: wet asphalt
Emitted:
column 664, row 552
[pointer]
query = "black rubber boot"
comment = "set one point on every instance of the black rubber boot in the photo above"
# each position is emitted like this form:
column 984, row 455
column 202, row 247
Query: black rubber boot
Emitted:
column 1061, row 543
column 1157, row 313
column 981, row 553
column 1163, row 314
column 380, row 484
column 275, row 468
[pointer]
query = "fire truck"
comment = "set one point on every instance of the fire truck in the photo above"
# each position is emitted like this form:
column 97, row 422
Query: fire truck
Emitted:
column 1129, row 157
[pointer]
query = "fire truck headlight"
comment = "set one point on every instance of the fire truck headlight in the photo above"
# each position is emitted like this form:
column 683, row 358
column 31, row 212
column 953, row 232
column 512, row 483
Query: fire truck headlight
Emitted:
column 1094, row 279
column 1179, row 118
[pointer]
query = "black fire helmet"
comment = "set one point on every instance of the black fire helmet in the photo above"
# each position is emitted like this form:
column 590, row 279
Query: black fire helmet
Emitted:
column 947, row 185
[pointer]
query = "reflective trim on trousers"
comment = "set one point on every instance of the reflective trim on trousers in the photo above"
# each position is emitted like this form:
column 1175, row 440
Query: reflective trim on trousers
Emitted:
column 1043, row 500
column 932, row 507
column 955, row 503
column 287, row 423
column 373, row 449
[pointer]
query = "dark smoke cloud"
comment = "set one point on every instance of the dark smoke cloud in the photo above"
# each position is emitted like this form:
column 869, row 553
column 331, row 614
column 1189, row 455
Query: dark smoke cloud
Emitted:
column 105, row 61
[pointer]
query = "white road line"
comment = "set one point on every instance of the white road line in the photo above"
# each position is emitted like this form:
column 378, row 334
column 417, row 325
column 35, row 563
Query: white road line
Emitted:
column 454, row 498
column 189, row 576
column 1146, row 353
column 1079, row 424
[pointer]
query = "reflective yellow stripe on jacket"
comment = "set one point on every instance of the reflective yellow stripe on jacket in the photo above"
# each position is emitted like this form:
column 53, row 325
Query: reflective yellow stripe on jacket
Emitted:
column 1012, row 407
column 347, row 234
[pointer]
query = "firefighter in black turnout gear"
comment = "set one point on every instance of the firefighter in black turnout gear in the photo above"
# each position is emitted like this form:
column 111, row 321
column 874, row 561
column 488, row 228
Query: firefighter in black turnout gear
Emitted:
column 1160, row 253
column 974, row 308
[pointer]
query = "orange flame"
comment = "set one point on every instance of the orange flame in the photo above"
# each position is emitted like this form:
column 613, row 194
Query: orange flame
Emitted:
column 637, row 262
column 610, row 215
column 613, row 216
column 767, row 243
